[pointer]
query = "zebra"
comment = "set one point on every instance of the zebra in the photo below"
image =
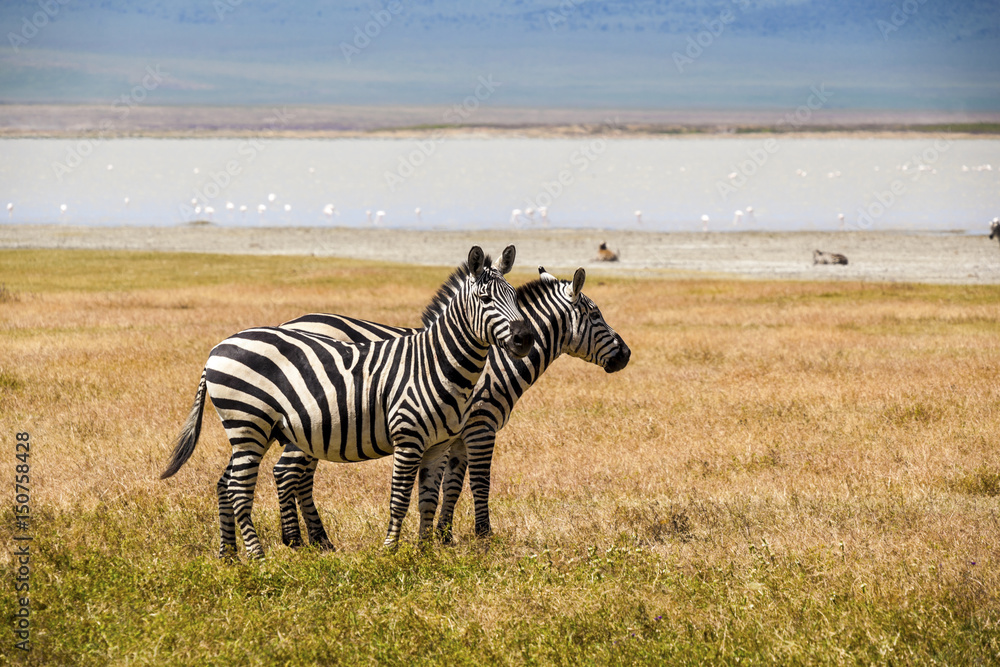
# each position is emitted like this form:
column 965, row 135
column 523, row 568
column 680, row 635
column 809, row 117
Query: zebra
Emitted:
column 995, row 229
column 338, row 401
column 566, row 320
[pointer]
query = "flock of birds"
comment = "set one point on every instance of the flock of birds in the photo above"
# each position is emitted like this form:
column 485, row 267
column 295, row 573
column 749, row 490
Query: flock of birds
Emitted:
column 518, row 217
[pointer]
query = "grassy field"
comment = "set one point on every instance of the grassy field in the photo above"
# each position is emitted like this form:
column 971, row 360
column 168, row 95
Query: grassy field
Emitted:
column 790, row 473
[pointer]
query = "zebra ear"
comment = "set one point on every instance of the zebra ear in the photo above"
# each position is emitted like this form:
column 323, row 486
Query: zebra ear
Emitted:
column 506, row 261
column 476, row 260
column 545, row 276
column 578, row 279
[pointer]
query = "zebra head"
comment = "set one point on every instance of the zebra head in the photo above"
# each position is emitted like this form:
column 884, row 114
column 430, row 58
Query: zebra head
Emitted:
column 588, row 336
column 493, row 313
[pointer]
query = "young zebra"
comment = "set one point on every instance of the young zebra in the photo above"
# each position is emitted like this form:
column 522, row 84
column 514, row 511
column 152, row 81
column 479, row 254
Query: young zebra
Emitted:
column 566, row 320
column 338, row 401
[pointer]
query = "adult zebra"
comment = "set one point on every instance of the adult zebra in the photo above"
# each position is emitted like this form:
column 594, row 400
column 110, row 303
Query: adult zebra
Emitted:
column 338, row 401
column 567, row 322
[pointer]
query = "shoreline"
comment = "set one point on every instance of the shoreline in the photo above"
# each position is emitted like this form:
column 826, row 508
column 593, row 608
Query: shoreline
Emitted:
column 71, row 121
column 876, row 256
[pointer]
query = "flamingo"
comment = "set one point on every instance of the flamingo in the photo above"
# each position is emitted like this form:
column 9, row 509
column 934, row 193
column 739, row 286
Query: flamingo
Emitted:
column 737, row 218
column 209, row 211
column 378, row 216
column 230, row 206
column 288, row 208
column 417, row 212
column 243, row 211
column 544, row 212
column 10, row 210
column 328, row 210
column 515, row 217
column 197, row 210
column 529, row 213
column 840, row 217
column 638, row 217
column 368, row 217
column 62, row 208
column 271, row 197
column 127, row 200
column 197, row 170
column 704, row 223
column 261, row 208
column 110, row 167
column 750, row 216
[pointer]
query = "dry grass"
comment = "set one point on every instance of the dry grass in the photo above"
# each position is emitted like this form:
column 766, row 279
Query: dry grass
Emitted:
column 785, row 472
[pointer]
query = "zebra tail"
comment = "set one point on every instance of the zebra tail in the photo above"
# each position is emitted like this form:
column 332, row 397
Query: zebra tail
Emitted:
column 188, row 437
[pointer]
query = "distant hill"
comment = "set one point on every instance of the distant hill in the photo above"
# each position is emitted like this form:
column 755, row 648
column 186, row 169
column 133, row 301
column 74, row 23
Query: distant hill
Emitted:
column 872, row 54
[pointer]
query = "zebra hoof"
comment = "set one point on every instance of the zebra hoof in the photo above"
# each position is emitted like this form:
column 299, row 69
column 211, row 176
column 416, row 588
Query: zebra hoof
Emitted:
column 445, row 535
column 484, row 530
column 292, row 541
column 228, row 553
column 255, row 554
column 324, row 544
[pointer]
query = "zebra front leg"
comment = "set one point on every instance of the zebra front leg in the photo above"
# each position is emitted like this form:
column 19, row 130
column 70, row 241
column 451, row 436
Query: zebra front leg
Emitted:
column 245, row 464
column 480, row 457
column 288, row 472
column 431, row 470
column 455, row 464
column 227, row 522
column 406, row 461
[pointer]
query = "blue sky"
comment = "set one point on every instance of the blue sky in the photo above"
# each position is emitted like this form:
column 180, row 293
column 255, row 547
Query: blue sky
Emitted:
column 715, row 54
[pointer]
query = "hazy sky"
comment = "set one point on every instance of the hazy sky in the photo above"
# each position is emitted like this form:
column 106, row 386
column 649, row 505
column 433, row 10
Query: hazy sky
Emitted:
column 722, row 54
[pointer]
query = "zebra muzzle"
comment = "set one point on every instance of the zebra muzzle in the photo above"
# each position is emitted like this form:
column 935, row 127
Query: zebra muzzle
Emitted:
column 521, row 339
column 620, row 359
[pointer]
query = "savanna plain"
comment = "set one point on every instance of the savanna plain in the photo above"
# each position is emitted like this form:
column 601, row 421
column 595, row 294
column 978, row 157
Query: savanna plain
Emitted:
column 786, row 472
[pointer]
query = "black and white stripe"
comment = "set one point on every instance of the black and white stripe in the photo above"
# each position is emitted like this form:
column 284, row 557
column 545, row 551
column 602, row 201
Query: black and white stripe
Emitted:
column 566, row 321
column 406, row 396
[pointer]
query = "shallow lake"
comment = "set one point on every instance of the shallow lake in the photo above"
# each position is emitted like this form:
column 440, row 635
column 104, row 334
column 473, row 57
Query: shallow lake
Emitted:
column 467, row 183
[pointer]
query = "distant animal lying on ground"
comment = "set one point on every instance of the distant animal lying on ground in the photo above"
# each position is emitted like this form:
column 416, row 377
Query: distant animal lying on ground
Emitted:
column 995, row 229
column 820, row 257
column 606, row 255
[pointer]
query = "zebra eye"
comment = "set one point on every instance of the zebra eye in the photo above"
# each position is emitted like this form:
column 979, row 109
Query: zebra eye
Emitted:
column 595, row 316
column 486, row 298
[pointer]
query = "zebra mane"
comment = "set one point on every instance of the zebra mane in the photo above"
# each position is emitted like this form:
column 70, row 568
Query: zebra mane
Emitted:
column 536, row 287
column 446, row 293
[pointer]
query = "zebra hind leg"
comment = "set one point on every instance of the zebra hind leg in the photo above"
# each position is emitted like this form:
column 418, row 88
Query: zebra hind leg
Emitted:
column 455, row 464
column 304, row 491
column 243, row 480
column 227, row 521
column 287, row 472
